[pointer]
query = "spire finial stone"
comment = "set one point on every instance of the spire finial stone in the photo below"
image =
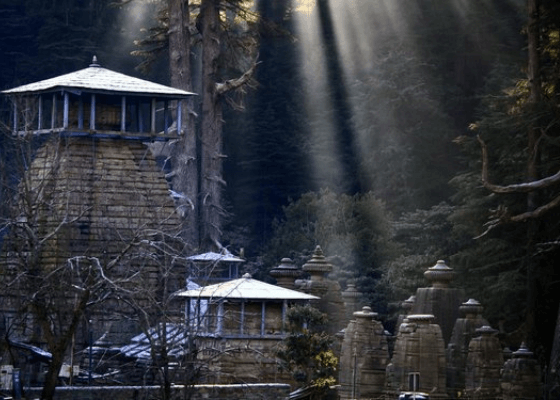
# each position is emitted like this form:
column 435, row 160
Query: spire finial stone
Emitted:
column 94, row 62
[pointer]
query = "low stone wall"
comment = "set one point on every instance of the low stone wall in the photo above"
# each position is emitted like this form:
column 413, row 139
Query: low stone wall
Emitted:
column 256, row 391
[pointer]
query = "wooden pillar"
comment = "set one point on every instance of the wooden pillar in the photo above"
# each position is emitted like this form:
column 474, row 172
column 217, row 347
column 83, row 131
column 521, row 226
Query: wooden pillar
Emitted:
column 220, row 318
column 179, row 116
column 165, row 116
column 242, row 318
column 284, row 312
column 263, row 317
column 92, row 113
column 123, row 113
column 140, row 117
column 153, row 116
column 15, row 122
column 53, row 111
column 80, row 113
column 65, row 110
column 198, row 316
column 40, row 113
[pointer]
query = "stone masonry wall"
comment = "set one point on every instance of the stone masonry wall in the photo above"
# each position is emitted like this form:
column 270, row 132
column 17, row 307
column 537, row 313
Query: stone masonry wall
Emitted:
column 265, row 391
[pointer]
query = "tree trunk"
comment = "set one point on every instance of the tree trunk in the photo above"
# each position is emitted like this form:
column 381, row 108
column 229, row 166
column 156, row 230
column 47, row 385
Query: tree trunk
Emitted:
column 51, row 376
column 211, row 128
column 535, row 93
column 58, row 344
column 185, row 164
column 534, row 273
column 552, row 389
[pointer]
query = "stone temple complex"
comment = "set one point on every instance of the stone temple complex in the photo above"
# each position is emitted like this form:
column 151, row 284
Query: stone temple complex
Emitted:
column 95, row 207
column 469, row 364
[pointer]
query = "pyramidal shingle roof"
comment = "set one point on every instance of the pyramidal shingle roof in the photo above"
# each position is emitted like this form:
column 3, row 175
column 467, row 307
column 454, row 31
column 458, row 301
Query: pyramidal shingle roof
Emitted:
column 245, row 288
column 98, row 79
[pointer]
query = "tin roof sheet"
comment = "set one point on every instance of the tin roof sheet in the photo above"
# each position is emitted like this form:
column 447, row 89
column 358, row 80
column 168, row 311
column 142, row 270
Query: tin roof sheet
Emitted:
column 97, row 78
column 246, row 288
column 212, row 256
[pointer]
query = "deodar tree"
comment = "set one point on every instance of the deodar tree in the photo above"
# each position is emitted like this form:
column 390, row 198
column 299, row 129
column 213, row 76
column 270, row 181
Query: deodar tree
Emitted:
column 518, row 134
column 220, row 33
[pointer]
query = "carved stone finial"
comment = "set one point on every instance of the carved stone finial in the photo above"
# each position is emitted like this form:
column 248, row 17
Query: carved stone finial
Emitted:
column 408, row 304
column 486, row 330
column 471, row 308
column 351, row 292
column 440, row 275
column 94, row 62
column 286, row 268
column 365, row 313
column 318, row 265
column 421, row 318
column 286, row 273
column 523, row 351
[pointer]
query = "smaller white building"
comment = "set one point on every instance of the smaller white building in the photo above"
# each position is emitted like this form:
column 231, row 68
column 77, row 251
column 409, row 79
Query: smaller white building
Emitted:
column 238, row 326
column 240, row 308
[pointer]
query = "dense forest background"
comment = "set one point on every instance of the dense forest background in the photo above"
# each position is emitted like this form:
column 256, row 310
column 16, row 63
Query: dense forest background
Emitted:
column 361, row 136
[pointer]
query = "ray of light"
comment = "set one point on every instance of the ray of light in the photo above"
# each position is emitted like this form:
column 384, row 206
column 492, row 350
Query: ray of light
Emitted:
column 366, row 32
column 325, row 165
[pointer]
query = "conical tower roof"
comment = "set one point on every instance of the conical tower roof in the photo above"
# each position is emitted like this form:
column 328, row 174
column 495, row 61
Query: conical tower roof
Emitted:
column 101, row 80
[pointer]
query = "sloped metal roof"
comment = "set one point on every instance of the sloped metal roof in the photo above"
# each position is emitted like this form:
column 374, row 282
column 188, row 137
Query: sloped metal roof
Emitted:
column 140, row 346
column 212, row 256
column 98, row 79
column 246, row 288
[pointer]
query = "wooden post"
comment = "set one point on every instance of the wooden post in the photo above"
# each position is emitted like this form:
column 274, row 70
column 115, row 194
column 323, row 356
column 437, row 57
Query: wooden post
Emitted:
column 220, row 318
column 80, row 113
column 40, row 113
column 123, row 113
column 263, row 317
column 140, row 117
column 15, row 122
column 198, row 317
column 65, row 110
column 179, row 116
column 53, row 111
column 153, row 121
column 242, row 318
column 165, row 115
column 284, row 311
column 92, row 113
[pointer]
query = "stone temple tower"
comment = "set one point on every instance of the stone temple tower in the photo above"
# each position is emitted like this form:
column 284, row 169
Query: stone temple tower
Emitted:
column 364, row 357
column 93, row 190
column 440, row 300
column 418, row 362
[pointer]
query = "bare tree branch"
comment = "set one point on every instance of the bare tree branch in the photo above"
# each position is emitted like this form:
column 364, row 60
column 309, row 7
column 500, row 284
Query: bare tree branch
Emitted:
column 236, row 83
column 514, row 188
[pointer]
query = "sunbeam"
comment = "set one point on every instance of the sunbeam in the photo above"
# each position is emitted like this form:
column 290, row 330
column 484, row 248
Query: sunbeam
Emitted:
column 371, row 70
column 326, row 167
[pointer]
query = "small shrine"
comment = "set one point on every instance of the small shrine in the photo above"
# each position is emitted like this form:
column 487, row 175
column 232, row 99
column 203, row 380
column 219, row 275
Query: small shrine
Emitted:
column 521, row 376
column 484, row 363
column 328, row 290
column 464, row 331
column 441, row 299
column 418, row 363
column 364, row 357
column 212, row 267
column 243, row 307
column 237, row 326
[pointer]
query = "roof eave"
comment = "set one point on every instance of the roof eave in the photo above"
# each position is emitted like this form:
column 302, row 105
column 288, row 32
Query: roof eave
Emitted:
column 55, row 89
